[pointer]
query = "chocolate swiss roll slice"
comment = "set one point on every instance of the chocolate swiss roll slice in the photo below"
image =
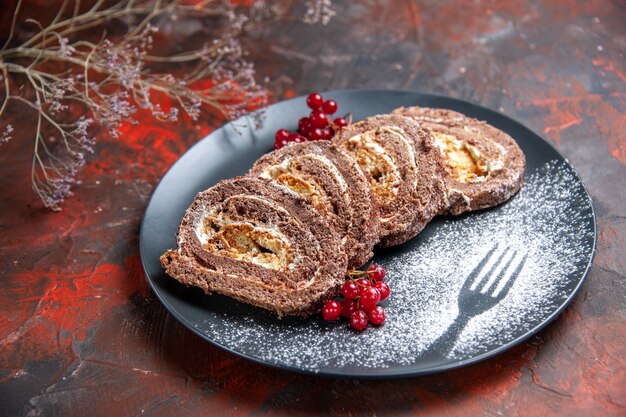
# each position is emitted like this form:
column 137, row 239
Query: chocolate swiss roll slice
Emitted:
column 258, row 242
column 333, row 183
column 483, row 165
column 403, row 169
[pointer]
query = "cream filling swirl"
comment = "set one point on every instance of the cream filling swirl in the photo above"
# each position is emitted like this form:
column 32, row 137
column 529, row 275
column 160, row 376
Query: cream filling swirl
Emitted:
column 252, row 241
column 284, row 171
column 372, row 157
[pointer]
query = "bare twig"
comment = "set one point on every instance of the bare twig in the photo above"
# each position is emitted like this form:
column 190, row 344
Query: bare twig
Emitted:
column 64, row 64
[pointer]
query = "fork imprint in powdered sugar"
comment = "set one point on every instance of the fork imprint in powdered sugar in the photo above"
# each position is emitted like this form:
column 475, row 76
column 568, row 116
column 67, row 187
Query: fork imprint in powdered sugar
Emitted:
column 486, row 286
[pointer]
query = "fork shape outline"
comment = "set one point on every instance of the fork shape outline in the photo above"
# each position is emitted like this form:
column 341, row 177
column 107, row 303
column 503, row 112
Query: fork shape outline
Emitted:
column 480, row 293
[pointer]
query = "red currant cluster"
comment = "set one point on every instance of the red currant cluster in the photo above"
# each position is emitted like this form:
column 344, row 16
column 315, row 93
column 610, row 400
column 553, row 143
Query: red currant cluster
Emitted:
column 317, row 126
column 361, row 294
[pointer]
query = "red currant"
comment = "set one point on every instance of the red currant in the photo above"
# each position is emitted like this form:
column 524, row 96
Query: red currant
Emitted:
column 308, row 133
column 296, row 138
column 327, row 133
column 348, row 307
column 350, row 290
column 280, row 143
column 377, row 315
column 282, row 134
column 315, row 101
column 319, row 119
column 383, row 289
column 358, row 320
column 316, row 134
column 364, row 282
column 331, row 310
column 369, row 298
column 329, row 107
column 340, row 122
column 304, row 124
column 376, row 272
column 318, row 125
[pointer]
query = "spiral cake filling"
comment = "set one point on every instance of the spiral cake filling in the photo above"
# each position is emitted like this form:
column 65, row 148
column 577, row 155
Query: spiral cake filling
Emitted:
column 462, row 161
column 289, row 173
column 385, row 177
column 245, row 241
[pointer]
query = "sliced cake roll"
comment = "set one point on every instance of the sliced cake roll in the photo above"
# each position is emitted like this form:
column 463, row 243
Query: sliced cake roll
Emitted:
column 333, row 183
column 404, row 171
column 256, row 241
column 483, row 165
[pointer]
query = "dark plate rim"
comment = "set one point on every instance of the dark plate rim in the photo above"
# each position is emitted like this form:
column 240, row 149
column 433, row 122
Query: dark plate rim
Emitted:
column 396, row 374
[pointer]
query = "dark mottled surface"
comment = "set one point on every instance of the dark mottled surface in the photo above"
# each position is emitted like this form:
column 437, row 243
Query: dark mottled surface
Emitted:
column 81, row 334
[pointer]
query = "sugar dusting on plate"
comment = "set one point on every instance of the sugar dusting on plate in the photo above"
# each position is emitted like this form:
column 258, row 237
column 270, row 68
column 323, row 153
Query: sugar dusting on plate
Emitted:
column 549, row 220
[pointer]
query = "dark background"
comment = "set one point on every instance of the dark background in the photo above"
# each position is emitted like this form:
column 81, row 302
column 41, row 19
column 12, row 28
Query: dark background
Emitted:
column 81, row 333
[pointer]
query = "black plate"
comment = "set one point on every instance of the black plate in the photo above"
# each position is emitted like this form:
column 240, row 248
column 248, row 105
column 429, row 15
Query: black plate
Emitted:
column 551, row 221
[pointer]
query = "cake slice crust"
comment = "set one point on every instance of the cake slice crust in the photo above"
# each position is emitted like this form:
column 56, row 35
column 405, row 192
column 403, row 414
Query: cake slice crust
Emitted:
column 483, row 166
column 334, row 184
column 399, row 158
column 260, row 243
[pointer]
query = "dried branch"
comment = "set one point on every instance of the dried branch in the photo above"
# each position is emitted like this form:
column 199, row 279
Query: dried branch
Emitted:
column 73, row 62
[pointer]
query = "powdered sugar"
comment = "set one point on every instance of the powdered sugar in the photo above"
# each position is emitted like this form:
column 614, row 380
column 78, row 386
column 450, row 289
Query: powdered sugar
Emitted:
column 550, row 220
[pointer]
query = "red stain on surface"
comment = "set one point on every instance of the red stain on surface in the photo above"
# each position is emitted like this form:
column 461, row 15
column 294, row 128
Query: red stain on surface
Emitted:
column 612, row 124
column 63, row 307
column 555, row 131
column 609, row 66
column 564, row 112
column 136, row 155
column 594, row 386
